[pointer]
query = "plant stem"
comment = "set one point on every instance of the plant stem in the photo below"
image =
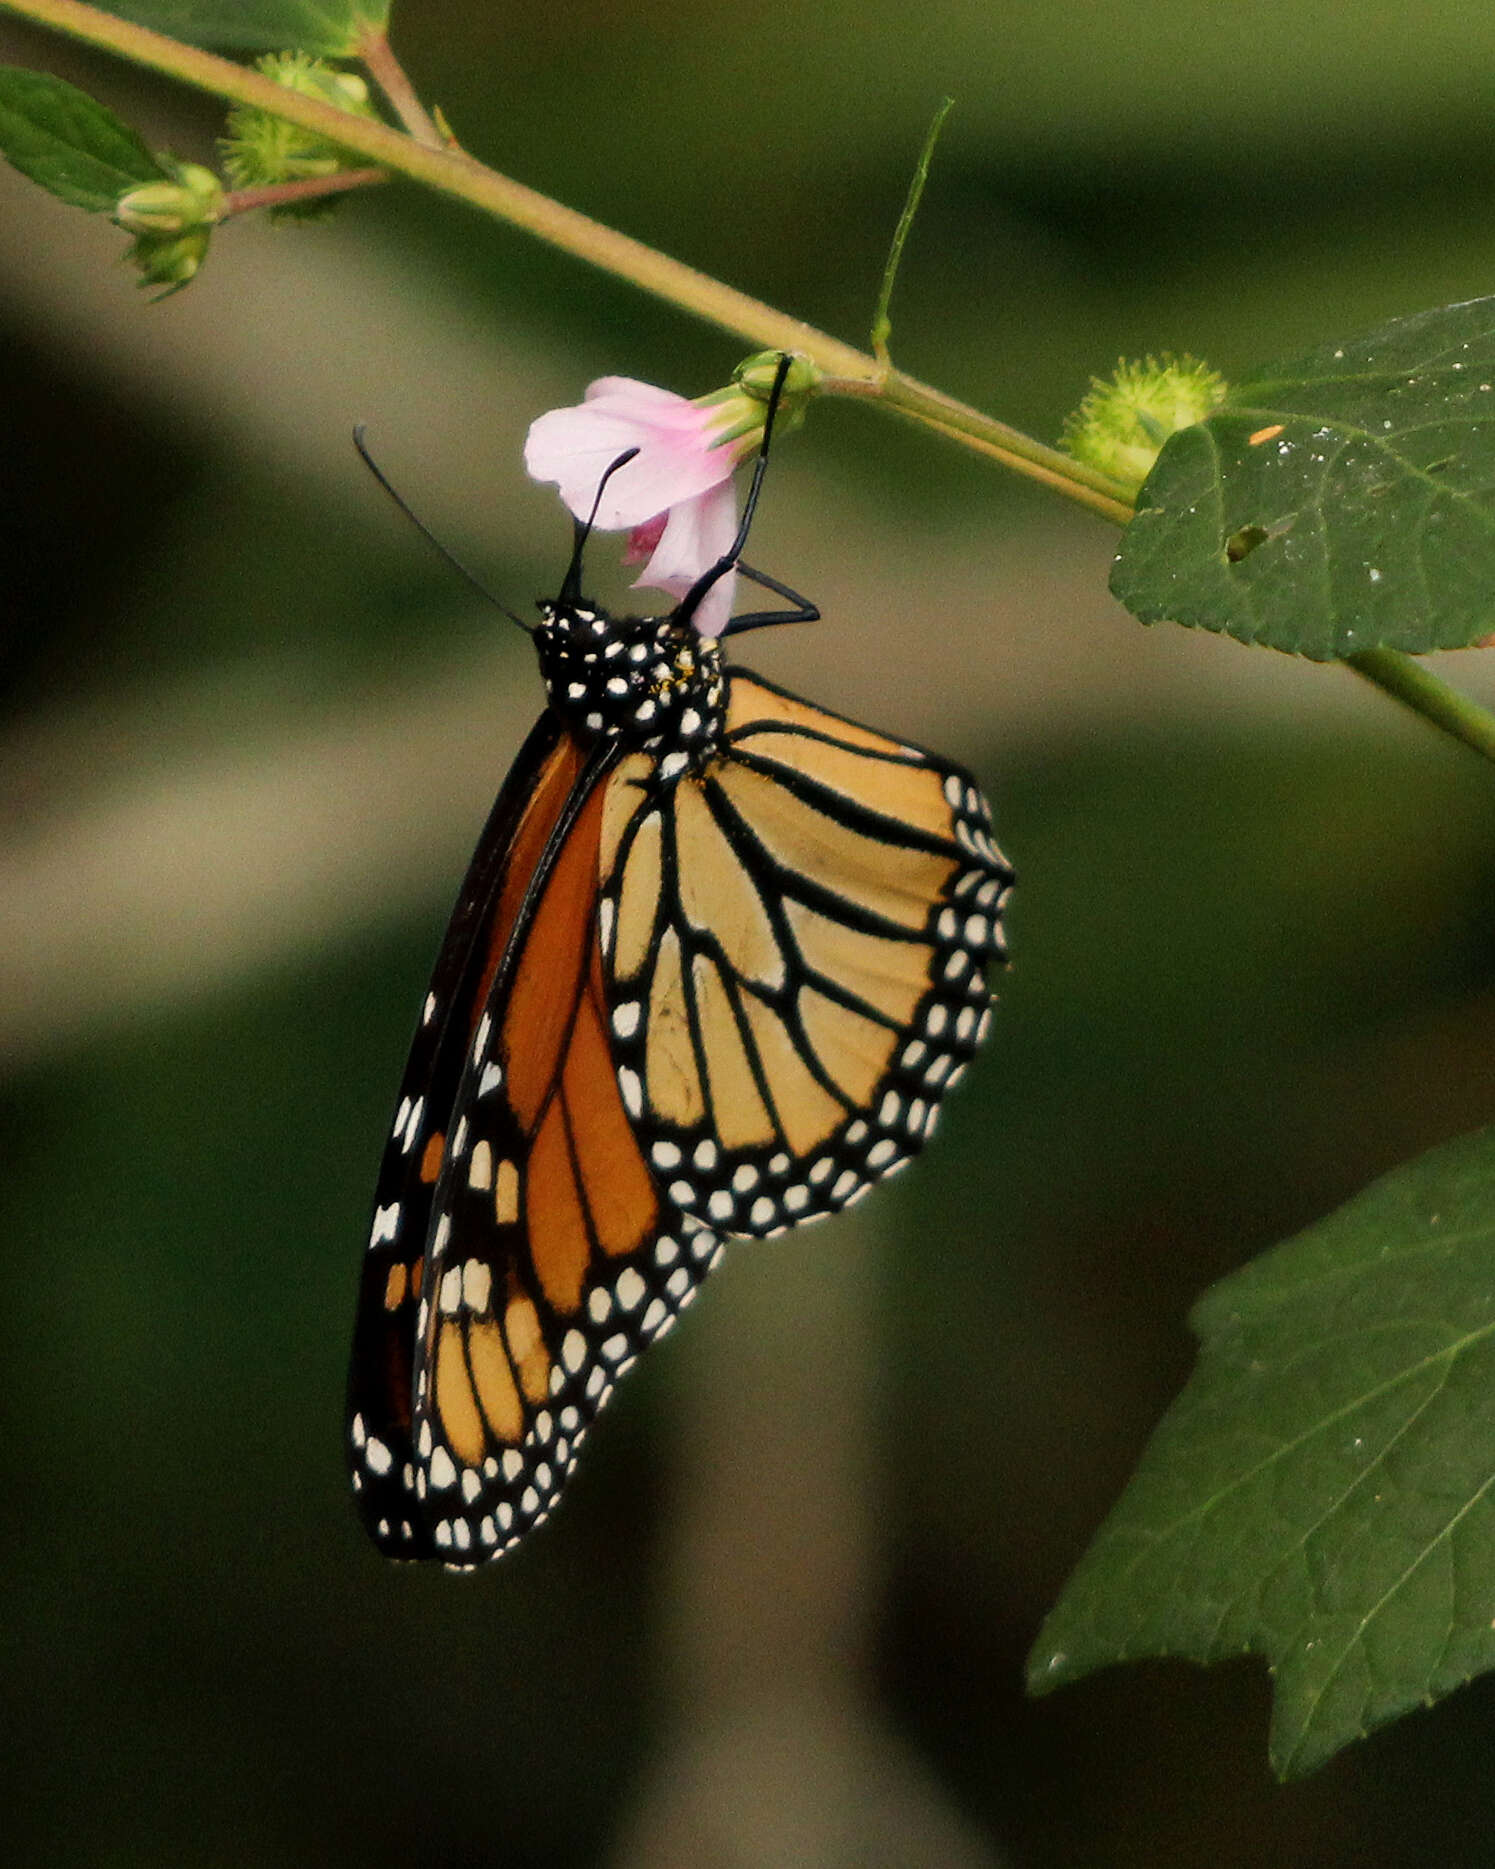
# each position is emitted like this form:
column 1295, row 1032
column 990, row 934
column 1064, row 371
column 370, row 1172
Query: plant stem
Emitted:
column 453, row 173
column 1408, row 681
column 457, row 175
column 1087, row 486
column 278, row 194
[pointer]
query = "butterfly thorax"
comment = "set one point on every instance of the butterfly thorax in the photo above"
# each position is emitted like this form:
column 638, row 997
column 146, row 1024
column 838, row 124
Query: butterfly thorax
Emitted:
column 646, row 680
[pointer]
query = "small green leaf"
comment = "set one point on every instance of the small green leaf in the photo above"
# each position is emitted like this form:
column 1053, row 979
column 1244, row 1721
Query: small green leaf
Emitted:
column 331, row 28
column 61, row 138
column 1360, row 478
column 1323, row 1491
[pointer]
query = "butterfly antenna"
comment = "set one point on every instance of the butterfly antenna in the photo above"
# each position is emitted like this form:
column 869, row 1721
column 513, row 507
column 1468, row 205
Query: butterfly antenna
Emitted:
column 582, row 531
column 420, row 525
column 690, row 602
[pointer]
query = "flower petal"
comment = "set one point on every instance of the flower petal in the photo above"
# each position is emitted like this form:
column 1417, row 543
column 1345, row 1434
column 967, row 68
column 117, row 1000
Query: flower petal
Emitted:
column 697, row 533
column 629, row 395
column 675, row 461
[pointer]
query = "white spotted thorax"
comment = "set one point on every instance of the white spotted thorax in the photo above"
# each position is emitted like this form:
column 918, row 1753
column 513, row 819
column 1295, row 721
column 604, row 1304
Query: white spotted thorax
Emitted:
column 640, row 679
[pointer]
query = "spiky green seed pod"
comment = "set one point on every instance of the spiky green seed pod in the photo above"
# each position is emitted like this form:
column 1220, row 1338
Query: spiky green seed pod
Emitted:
column 1124, row 420
column 260, row 151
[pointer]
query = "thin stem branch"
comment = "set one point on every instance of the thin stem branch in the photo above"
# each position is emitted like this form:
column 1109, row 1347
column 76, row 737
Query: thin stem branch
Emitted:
column 280, row 194
column 882, row 320
column 388, row 73
column 1101, row 504
column 1407, row 680
column 1087, row 486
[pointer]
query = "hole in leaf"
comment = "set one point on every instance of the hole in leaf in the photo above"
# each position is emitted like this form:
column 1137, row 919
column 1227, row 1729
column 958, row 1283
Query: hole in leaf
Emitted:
column 1241, row 544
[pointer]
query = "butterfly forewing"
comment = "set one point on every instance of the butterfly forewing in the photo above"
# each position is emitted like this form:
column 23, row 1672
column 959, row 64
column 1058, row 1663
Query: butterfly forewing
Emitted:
column 549, row 1266
column 382, row 1373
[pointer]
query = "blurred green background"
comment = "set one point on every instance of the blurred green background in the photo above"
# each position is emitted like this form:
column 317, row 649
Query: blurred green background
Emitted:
column 250, row 728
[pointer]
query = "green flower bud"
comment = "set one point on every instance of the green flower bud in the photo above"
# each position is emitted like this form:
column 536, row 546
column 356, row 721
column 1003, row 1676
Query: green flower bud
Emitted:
column 169, row 260
column 1123, row 422
column 757, row 373
column 194, row 199
column 260, row 151
column 742, row 404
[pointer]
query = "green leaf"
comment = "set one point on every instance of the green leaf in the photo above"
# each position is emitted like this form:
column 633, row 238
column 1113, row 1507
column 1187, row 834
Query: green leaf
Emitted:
column 60, row 137
column 1323, row 1491
column 329, row 28
column 1345, row 501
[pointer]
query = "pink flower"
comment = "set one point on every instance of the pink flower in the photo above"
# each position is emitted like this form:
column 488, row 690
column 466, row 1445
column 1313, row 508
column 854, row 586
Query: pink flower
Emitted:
column 675, row 496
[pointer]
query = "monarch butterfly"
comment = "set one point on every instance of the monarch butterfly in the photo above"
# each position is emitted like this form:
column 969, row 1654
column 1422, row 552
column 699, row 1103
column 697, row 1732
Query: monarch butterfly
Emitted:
column 717, row 958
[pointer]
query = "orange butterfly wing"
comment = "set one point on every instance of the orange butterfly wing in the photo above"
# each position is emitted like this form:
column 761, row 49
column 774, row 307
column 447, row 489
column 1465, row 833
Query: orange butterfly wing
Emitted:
column 544, row 1197
column 696, row 1000
column 381, row 1386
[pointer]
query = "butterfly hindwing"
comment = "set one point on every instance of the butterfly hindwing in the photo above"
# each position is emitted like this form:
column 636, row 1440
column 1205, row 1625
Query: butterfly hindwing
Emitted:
column 796, row 942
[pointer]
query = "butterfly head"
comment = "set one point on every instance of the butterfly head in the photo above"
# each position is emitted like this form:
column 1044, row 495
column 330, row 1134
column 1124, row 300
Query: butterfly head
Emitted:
column 646, row 680
column 651, row 681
